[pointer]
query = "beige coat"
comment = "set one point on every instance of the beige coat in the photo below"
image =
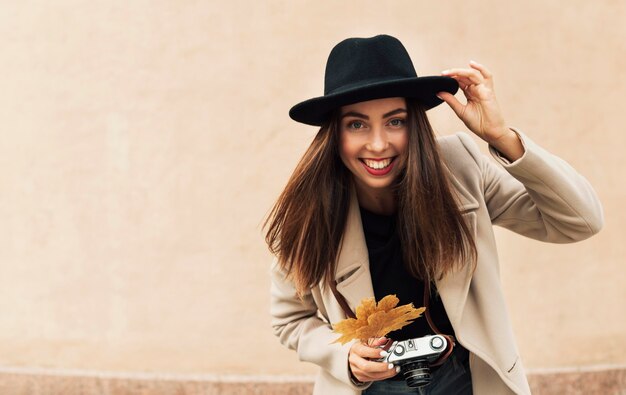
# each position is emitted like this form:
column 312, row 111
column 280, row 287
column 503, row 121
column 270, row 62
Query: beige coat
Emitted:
column 539, row 196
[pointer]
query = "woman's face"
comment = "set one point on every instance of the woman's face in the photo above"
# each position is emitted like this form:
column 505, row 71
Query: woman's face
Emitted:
column 373, row 140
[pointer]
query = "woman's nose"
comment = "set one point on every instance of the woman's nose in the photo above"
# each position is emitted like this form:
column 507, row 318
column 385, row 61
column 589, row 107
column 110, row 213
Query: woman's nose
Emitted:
column 378, row 141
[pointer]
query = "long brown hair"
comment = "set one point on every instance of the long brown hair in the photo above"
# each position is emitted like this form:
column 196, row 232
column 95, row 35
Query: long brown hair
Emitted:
column 308, row 220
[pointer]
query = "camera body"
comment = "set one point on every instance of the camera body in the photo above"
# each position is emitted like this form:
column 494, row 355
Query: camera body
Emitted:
column 414, row 357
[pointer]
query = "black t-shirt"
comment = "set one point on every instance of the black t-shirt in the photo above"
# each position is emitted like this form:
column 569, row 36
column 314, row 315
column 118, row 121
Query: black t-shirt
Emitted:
column 390, row 276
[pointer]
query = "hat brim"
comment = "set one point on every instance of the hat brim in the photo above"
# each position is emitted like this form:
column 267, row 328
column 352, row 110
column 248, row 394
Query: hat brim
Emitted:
column 315, row 111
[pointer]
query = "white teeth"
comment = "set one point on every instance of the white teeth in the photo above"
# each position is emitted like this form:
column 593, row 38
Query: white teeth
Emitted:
column 377, row 164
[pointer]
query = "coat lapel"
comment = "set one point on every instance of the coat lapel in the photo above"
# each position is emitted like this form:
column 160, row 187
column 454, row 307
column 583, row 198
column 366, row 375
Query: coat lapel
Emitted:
column 454, row 287
column 353, row 272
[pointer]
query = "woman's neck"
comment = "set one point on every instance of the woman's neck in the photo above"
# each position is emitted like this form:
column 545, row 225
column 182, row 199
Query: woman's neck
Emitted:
column 381, row 201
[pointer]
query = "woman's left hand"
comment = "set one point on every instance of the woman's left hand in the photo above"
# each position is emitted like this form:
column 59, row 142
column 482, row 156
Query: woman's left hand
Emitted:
column 481, row 114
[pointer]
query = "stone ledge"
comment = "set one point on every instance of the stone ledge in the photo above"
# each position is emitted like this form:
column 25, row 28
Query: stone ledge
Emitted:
column 605, row 382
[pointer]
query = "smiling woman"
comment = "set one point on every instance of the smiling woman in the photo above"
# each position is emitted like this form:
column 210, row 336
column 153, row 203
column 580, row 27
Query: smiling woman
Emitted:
column 379, row 205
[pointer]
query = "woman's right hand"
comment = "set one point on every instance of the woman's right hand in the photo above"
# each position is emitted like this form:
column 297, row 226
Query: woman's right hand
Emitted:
column 362, row 362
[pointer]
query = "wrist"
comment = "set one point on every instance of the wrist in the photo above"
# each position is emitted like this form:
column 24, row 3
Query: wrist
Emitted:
column 353, row 378
column 503, row 137
column 509, row 145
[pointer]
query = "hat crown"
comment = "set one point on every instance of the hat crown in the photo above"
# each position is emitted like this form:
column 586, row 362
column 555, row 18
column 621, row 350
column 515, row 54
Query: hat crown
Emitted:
column 359, row 61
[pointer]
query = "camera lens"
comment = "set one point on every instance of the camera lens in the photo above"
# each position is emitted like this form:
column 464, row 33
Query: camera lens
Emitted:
column 416, row 374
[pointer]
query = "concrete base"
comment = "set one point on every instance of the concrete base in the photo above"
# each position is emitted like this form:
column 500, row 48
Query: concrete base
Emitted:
column 605, row 382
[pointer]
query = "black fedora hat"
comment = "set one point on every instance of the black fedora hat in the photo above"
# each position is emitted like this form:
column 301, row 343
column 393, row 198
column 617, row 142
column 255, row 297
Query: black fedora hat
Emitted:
column 361, row 69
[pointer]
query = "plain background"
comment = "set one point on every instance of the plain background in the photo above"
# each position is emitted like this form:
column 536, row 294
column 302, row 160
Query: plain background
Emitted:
column 144, row 142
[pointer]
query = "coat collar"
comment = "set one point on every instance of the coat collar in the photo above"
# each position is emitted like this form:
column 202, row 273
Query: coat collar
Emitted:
column 352, row 272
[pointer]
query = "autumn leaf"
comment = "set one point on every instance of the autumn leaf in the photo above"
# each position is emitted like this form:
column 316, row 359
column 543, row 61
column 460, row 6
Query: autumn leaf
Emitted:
column 388, row 302
column 365, row 309
column 376, row 319
column 348, row 328
column 376, row 324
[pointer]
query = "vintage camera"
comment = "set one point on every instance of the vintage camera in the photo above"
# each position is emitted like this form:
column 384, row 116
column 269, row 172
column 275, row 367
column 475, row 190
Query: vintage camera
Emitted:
column 414, row 357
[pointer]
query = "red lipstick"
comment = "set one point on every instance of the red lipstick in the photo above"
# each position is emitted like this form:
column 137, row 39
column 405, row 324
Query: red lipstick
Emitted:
column 379, row 172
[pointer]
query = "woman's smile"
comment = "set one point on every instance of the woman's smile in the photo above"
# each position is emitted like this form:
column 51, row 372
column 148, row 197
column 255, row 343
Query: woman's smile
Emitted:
column 378, row 167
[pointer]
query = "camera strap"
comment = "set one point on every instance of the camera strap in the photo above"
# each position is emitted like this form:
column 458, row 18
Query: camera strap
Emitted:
column 342, row 301
column 451, row 341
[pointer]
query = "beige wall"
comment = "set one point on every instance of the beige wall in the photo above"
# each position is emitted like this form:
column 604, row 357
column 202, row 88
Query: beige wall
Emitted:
column 143, row 142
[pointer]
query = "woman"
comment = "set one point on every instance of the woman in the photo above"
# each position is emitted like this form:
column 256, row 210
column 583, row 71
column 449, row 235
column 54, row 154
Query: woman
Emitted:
column 378, row 205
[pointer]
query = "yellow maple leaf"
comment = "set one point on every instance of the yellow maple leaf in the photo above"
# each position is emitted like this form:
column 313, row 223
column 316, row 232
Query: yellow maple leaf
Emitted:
column 348, row 328
column 388, row 302
column 365, row 309
column 406, row 318
column 376, row 319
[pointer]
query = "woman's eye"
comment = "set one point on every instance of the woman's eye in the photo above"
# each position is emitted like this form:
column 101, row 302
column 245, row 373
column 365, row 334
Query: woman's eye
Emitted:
column 397, row 122
column 355, row 125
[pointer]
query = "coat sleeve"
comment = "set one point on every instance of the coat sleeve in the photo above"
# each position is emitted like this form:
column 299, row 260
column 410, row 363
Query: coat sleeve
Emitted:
column 539, row 195
column 298, row 326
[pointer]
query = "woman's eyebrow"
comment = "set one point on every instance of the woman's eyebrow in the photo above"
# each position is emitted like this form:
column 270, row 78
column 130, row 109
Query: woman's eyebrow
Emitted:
column 359, row 115
column 394, row 112
column 354, row 114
